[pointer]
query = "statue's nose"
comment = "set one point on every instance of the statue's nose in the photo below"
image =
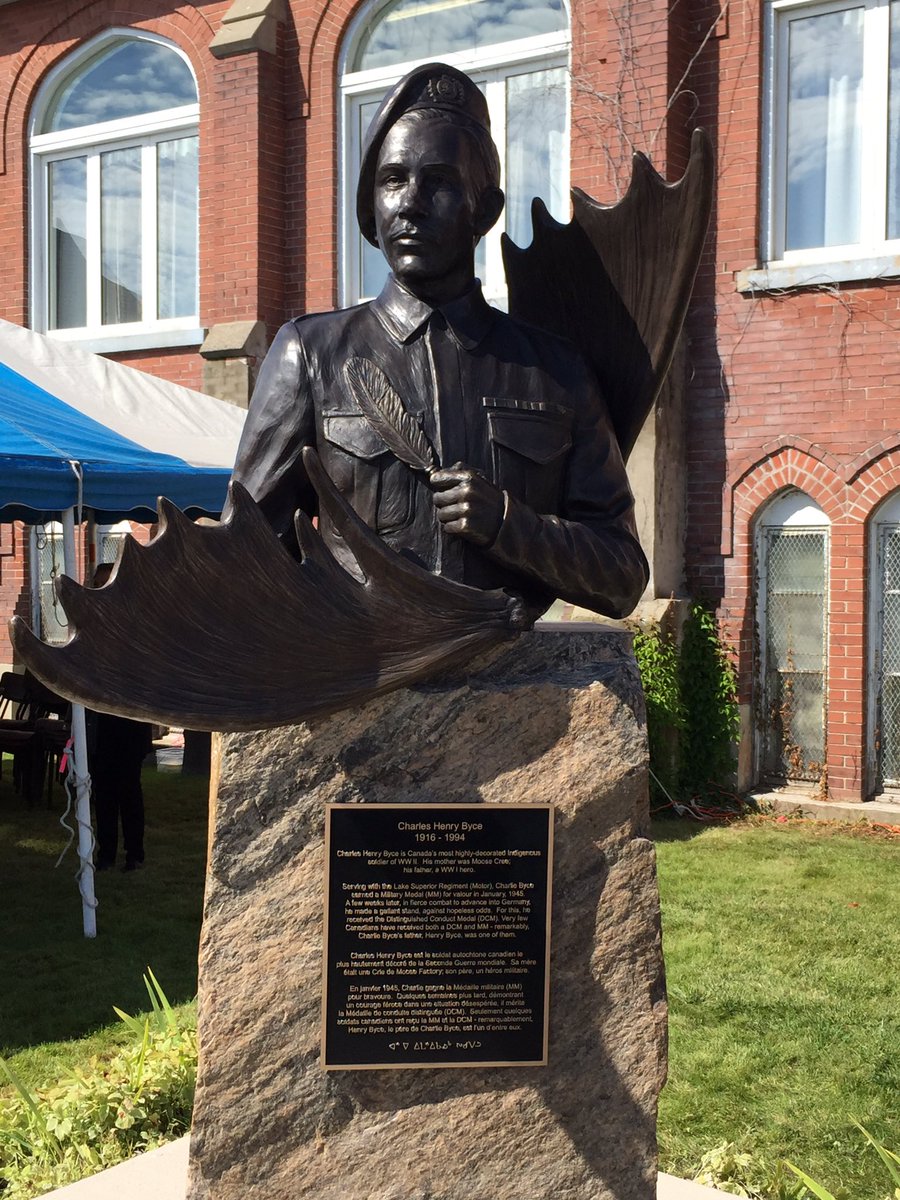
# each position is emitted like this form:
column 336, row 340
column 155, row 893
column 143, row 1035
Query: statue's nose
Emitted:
column 413, row 197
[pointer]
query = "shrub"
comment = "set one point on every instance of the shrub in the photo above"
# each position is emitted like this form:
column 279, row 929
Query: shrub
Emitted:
column 890, row 1160
column 734, row 1171
column 138, row 1099
column 657, row 657
column 692, row 714
column 708, row 684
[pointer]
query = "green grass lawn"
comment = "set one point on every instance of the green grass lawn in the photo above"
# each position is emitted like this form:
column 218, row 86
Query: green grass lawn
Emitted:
column 59, row 986
column 782, row 946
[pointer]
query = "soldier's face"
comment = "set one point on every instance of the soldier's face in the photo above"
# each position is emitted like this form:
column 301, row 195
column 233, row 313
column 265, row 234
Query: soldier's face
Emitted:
column 426, row 206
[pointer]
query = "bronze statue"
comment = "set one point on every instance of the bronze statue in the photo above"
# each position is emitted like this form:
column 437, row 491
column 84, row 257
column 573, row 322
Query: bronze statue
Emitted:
column 478, row 447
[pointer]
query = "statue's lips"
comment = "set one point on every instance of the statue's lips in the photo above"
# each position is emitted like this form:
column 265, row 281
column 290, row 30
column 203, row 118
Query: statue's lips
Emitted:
column 408, row 240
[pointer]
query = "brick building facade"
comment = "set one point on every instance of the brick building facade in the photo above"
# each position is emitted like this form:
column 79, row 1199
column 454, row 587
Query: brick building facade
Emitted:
column 765, row 477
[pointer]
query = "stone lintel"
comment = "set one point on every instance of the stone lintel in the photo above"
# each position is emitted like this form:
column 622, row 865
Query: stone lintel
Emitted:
column 248, row 25
column 244, row 10
column 235, row 339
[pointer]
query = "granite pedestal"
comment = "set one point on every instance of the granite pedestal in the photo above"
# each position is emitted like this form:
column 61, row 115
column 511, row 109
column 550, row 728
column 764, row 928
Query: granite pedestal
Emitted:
column 553, row 717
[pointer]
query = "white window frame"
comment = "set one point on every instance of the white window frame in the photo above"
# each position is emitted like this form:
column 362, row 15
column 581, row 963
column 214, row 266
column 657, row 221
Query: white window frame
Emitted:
column 791, row 509
column 886, row 517
column 497, row 62
column 145, row 131
column 875, row 257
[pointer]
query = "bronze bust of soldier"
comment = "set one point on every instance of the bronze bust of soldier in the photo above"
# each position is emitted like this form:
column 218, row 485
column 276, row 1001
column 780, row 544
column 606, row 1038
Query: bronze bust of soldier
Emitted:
column 530, row 492
column 465, row 466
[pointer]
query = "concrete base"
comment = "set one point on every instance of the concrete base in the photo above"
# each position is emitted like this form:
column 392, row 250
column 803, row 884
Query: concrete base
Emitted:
column 159, row 1175
column 796, row 802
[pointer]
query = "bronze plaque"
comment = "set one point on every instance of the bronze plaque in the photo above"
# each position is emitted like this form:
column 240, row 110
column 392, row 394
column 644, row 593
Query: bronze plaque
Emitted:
column 437, row 935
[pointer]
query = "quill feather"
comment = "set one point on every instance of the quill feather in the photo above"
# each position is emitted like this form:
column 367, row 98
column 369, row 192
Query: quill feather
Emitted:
column 383, row 409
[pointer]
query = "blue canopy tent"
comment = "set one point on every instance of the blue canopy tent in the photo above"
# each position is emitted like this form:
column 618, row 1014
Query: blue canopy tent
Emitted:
column 80, row 433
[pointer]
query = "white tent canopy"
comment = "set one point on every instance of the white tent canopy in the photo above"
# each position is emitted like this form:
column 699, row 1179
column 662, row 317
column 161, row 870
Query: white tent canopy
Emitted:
column 81, row 432
column 132, row 436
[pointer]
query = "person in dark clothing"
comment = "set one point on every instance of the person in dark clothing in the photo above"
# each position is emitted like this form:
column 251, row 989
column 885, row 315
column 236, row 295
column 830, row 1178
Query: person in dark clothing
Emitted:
column 117, row 748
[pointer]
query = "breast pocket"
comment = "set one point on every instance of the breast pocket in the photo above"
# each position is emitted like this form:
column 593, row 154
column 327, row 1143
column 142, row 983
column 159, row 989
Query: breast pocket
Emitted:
column 364, row 470
column 529, row 448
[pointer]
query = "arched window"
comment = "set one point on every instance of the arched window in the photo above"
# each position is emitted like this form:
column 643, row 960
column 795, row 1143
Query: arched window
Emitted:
column 792, row 557
column 517, row 51
column 115, row 195
column 884, row 640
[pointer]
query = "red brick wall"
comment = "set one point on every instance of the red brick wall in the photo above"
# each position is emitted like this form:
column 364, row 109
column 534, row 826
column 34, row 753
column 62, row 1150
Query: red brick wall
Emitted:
column 794, row 389
column 15, row 592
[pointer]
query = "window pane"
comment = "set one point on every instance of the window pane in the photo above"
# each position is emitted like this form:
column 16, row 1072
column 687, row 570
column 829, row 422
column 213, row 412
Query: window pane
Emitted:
column 177, row 227
column 535, row 148
column 123, row 80
column 825, row 61
column 432, row 29
column 120, row 235
column 893, row 196
column 67, row 190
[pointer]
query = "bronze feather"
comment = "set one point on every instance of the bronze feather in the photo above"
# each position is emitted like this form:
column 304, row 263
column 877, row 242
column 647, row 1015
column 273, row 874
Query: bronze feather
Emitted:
column 383, row 409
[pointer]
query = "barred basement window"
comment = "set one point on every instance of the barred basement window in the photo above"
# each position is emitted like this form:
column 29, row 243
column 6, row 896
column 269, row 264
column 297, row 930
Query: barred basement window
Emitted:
column 792, row 553
column 109, row 541
column 884, row 697
column 48, row 615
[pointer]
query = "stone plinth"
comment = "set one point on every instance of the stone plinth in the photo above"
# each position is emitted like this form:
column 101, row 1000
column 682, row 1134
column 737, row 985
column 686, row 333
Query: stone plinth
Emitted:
column 555, row 717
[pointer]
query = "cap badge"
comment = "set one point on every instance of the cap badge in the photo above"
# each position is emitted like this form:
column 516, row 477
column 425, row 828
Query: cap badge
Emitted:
column 446, row 90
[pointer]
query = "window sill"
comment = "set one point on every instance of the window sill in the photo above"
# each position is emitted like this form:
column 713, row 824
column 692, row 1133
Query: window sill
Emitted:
column 161, row 339
column 779, row 276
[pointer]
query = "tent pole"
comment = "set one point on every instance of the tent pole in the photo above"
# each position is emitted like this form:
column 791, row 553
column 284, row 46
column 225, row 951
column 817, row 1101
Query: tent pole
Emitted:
column 79, row 754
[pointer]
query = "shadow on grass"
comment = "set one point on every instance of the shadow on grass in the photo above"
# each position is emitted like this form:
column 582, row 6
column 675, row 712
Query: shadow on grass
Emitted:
column 61, row 985
column 669, row 827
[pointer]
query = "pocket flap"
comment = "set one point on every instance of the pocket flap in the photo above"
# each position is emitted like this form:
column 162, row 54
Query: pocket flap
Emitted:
column 540, row 437
column 354, row 435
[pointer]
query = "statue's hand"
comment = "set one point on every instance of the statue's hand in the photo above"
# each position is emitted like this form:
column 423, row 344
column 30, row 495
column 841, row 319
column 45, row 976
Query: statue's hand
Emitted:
column 467, row 504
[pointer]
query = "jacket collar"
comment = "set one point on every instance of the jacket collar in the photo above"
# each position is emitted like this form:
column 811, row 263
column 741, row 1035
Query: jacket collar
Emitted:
column 469, row 317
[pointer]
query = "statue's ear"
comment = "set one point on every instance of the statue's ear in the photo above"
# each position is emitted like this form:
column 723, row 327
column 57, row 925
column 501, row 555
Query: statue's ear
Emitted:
column 488, row 209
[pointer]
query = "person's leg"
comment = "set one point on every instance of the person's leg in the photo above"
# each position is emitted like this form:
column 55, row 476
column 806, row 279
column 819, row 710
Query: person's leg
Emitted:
column 131, row 805
column 106, row 815
column 131, row 796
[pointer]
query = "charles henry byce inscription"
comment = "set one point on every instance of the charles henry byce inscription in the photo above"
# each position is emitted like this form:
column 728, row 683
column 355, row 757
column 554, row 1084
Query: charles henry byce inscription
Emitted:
column 437, row 935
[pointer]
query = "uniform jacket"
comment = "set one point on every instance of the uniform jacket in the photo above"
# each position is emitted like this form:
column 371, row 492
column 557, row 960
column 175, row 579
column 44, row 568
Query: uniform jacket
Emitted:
column 511, row 401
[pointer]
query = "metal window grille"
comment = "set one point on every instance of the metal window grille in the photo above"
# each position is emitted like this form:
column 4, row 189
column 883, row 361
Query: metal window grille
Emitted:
column 48, row 543
column 108, row 544
column 794, row 653
column 888, row 667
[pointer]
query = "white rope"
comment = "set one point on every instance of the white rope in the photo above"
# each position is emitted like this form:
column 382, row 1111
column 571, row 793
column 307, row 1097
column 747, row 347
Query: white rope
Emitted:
column 681, row 809
column 72, row 782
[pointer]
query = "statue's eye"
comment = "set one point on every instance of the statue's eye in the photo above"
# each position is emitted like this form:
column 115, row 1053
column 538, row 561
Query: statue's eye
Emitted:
column 441, row 178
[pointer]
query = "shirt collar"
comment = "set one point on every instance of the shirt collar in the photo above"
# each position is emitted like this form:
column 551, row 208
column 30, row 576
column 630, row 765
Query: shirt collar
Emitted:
column 469, row 317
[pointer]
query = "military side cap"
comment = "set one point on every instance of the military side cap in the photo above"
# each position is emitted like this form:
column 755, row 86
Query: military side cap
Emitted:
column 434, row 85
